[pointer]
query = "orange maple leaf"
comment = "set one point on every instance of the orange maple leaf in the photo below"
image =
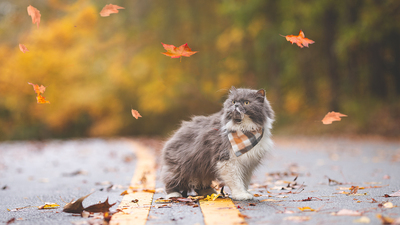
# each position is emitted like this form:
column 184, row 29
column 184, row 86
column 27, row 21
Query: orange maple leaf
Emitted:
column 135, row 114
column 300, row 39
column 23, row 48
column 332, row 116
column 35, row 14
column 178, row 52
column 38, row 89
column 110, row 8
column 41, row 99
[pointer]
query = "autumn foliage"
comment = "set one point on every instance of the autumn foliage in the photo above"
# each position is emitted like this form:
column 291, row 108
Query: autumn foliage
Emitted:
column 35, row 14
column 300, row 39
column 178, row 52
column 108, row 9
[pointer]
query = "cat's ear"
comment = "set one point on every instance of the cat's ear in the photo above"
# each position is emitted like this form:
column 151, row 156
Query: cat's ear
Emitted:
column 260, row 95
column 233, row 89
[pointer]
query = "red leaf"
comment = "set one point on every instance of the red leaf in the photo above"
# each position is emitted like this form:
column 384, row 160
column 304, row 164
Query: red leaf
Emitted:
column 23, row 48
column 110, row 8
column 300, row 39
column 35, row 14
column 40, row 99
column 332, row 116
column 177, row 52
column 135, row 114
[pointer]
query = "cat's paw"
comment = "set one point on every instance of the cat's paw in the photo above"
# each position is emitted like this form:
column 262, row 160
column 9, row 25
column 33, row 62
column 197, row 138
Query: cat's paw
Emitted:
column 174, row 195
column 242, row 196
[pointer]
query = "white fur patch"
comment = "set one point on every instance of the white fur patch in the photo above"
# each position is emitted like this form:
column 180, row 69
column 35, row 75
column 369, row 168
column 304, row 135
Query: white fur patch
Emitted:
column 237, row 171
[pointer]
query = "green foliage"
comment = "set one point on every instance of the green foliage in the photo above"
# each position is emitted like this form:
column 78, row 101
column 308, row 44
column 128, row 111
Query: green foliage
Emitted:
column 96, row 69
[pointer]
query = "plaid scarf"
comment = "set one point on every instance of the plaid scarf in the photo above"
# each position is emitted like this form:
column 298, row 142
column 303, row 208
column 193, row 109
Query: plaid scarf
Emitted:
column 243, row 142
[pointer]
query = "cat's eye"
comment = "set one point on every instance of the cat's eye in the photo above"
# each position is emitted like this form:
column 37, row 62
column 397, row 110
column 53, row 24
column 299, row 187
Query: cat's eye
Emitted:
column 246, row 102
column 233, row 102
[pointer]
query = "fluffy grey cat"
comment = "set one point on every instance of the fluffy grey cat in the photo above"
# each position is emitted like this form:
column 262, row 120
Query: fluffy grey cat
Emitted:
column 226, row 146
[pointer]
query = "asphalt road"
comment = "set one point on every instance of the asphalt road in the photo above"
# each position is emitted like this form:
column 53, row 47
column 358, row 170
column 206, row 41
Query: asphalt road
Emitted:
column 32, row 173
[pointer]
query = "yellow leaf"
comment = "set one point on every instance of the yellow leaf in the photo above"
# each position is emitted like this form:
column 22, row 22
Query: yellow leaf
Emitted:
column 362, row 219
column 306, row 209
column 48, row 205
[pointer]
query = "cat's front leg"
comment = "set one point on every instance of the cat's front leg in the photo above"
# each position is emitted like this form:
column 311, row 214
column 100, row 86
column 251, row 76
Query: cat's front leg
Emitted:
column 233, row 177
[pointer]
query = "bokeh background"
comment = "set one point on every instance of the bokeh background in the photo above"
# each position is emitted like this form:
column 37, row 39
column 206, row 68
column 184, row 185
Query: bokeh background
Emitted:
column 96, row 69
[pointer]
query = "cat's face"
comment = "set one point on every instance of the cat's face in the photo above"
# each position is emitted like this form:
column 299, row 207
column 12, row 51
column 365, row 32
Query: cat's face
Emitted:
column 246, row 109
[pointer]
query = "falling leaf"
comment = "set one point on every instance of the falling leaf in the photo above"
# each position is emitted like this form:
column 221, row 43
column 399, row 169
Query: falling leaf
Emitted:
column 100, row 207
column 48, row 205
column 178, row 52
column 41, row 99
column 271, row 200
column 35, row 14
column 332, row 116
column 306, row 209
column 347, row 212
column 110, row 8
column 135, row 114
column 298, row 218
column 75, row 206
column 362, row 219
column 38, row 89
column 23, row 48
column 300, row 39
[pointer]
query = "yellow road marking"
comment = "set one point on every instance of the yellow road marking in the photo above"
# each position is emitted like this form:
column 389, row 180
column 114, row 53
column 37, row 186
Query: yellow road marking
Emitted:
column 220, row 211
column 144, row 178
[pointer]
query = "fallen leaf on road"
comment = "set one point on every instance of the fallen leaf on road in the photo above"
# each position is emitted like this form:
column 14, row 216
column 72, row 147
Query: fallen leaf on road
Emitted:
column 163, row 201
column 332, row 116
column 386, row 219
column 257, row 195
column 10, row 221
column 163, row 206
column 100, row 207
column 212, row 197
column 48, row 205
column 362, row 219
column 388, row 205
column 298, row 218
column 75, row 206
column 347, row 212
column 333, row 182
column 396, row 194
column 306, row 209
column 23, row 48
column 353, row 189
column 110, row 8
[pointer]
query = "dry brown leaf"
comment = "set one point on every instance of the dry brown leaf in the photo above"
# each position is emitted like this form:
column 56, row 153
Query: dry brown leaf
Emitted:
column 23, row 48
column 75, row 206
column 35, row 14
column 332, row 116
column 385, row 219
column 110, row 8
column 100, row 207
